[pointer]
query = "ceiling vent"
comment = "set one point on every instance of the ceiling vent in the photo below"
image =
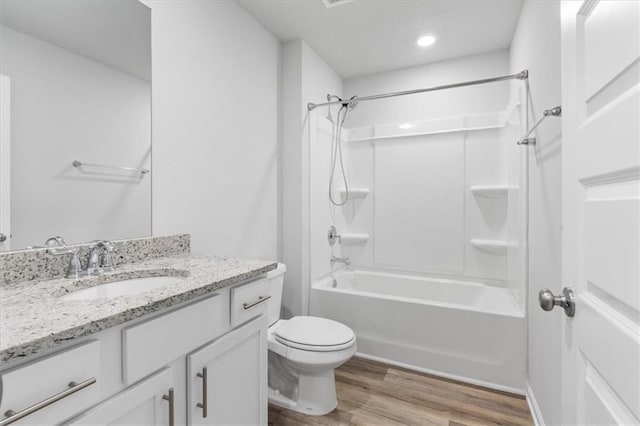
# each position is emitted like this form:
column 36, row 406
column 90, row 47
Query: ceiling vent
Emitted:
column 332, row 3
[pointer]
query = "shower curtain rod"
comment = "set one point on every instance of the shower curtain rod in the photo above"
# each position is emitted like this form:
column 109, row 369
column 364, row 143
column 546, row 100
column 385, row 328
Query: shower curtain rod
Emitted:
column 522, row 75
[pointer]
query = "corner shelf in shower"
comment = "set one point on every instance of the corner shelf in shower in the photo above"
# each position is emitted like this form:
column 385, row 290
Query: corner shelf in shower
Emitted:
column 496, row 246
column 492, row 191
column 349, row 238
column 354, row 193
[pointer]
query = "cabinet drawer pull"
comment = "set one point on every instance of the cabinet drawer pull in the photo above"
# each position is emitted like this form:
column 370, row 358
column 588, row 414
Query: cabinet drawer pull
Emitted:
column 255, row 302
column 12, row 416
column 203, row 404
column 171, row 399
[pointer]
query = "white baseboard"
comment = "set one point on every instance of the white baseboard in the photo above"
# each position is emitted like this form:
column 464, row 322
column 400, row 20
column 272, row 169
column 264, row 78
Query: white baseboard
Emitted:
column 444, row 375
column 533, row 406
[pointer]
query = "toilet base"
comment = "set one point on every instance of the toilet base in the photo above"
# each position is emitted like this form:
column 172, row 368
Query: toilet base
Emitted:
column 316, row 394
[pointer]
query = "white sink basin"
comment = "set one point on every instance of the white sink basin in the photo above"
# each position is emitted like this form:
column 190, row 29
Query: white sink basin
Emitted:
column 122, row 288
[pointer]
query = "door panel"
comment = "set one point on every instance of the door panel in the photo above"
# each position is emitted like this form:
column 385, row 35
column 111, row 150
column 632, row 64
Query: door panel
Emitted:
column 5, row 162
column 141, row 405
column 601, row 210
column 600, row 36
column 236, row 378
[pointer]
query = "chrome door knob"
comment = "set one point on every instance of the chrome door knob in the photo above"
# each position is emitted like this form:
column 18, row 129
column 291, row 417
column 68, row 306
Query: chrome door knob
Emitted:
column 3, row 237
column 566, row 300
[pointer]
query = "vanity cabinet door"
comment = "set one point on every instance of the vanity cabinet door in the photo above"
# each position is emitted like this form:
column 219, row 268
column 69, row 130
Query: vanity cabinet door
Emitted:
column 227, row 379
column 143, row 404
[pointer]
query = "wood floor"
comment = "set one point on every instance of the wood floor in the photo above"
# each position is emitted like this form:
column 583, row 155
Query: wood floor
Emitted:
column 372, row 393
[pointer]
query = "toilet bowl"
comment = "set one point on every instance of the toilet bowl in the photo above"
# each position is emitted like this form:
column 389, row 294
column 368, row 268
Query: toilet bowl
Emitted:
column 303, row 353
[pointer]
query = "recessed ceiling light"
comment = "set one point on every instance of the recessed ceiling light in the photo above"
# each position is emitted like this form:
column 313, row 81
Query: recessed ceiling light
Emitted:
column 406, row 126
column 426, row 40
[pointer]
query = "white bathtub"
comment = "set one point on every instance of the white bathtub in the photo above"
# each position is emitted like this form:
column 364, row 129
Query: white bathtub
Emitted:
column 459, row 329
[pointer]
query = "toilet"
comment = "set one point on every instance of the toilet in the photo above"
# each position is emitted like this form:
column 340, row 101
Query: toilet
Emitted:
column 303, row 353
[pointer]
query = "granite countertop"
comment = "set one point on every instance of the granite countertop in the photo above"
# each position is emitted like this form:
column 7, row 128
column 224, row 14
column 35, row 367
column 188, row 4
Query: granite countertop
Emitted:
column 33, row 317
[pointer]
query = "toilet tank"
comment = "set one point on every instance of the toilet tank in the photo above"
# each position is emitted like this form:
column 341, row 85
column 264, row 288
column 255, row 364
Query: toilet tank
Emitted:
column 276, row 284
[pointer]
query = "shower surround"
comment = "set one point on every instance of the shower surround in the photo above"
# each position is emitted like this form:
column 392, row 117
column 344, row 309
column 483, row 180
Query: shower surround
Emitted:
column 435, row 226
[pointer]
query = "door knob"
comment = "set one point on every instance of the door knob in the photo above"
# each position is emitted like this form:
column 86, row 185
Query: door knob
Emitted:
column 566, row 300
column 3, row 237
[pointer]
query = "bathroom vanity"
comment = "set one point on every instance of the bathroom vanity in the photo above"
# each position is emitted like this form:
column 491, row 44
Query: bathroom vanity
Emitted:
column 190, row 352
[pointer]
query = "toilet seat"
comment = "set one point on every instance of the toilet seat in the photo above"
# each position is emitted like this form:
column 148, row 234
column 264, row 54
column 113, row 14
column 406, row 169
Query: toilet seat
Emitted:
column 314, row 334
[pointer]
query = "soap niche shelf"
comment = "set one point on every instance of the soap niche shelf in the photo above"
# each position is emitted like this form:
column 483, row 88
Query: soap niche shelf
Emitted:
column 495, row 246
column 492, row 191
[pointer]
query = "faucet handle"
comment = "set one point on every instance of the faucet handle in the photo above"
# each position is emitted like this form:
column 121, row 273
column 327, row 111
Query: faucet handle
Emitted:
column 106, row 260
column 74, row 270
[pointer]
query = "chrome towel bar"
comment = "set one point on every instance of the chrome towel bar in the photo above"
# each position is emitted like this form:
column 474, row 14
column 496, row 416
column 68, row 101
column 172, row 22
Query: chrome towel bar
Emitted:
column 553, row 112
column 79, row 164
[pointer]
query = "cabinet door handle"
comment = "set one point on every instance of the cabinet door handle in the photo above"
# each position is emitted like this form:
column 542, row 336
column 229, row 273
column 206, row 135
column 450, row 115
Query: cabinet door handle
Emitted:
column 203, row 405
column 12, row 416
column 255, row 302
column 170, row 398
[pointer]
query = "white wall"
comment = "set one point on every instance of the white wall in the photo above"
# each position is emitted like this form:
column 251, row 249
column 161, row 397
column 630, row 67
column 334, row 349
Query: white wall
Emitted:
column 536, row 46
column 215, row 128
column 67, row 107
column 306, row 78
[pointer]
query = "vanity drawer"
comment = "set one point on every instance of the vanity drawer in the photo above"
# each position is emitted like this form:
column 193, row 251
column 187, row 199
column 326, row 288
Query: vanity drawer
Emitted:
column 29, row 385
column 249, row 301
column 154, row 343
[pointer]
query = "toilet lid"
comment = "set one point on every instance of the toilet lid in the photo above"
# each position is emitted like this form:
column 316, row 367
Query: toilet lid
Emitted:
column 314, row 331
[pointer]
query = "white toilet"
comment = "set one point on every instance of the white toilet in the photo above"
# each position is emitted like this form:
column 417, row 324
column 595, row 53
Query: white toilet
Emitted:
column 303, row 353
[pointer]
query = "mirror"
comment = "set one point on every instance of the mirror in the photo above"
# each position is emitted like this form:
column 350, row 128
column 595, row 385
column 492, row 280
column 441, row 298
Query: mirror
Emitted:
column 75, row 86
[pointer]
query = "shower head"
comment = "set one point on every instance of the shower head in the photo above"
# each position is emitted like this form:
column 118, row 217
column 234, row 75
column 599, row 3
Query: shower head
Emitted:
column 350, row 104
column 353, row 102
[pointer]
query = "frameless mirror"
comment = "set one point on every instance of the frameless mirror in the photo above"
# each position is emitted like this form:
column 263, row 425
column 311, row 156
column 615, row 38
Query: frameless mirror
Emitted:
column 75, row 121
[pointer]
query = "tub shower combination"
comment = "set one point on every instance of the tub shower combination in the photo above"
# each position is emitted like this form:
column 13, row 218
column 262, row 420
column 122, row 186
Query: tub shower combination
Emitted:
column 467, row 326
column 459, row 329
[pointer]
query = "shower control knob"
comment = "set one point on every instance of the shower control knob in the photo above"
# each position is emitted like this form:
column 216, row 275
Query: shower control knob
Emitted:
column 548, row 301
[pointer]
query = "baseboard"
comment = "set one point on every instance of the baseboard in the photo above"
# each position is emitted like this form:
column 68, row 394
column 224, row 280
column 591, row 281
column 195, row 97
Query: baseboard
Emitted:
column 533, row 407
column 475, row 382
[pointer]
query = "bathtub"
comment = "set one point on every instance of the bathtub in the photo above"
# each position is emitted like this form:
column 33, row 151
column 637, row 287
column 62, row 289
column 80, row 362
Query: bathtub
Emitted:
column 462, row 330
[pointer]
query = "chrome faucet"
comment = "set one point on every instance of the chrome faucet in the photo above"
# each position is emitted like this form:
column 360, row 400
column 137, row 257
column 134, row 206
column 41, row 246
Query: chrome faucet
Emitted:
column 344, row 260
column 100, row 258
column 57, row 246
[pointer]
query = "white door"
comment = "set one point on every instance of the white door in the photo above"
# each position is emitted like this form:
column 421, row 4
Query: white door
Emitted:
column 601, row 211
column 5, row 158
column 147, row 403
column 227, row 379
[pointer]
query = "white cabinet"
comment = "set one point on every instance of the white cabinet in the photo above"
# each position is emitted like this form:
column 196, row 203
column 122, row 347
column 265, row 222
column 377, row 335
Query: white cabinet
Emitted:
column 227, row 379
column 126, row 375
column 27, row 388
column 154, row 343
column 150, row 402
